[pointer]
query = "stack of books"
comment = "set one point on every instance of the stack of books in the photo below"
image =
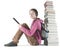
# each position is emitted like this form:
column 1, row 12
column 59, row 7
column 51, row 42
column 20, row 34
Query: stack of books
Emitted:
column 49, row 20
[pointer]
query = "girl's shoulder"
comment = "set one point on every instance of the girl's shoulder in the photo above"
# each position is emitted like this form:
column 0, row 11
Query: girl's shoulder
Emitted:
column 38, row 19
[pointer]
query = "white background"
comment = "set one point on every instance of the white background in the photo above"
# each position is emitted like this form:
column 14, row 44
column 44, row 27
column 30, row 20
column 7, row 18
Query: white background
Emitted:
column 20, row 10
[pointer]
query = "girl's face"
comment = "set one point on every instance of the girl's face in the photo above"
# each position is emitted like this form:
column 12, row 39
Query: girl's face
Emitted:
column 32, row 14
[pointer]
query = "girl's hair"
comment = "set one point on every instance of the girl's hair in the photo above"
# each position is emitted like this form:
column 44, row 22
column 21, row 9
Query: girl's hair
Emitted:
column 36, row 12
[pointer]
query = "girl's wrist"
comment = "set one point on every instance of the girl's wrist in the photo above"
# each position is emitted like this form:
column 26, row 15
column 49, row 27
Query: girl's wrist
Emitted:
column 20, row 26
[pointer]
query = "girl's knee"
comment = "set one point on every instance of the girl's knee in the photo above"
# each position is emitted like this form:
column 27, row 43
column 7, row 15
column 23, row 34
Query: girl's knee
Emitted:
column 24, row 24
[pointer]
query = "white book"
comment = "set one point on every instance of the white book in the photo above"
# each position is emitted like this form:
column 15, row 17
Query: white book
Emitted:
column 49, row 7
column 53, row 39
column 50, row 35
column 50, row 11
column 49, row 22
column 52, row 20
column 52, row 29
column 48, row 3
column 52, row 25
column 49, row 14
column 52, row 32
column 50, row 17
column 53, row 44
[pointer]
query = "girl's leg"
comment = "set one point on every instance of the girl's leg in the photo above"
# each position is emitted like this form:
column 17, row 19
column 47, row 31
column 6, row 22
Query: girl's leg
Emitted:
column 19, row 34
column 15, row 39
column 32, row 40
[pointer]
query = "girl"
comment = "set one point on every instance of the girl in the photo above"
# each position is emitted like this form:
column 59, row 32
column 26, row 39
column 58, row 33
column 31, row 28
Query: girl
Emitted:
column 32, row 35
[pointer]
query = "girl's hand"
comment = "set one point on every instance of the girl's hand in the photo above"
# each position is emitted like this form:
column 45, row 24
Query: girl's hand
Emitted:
column 19, row 25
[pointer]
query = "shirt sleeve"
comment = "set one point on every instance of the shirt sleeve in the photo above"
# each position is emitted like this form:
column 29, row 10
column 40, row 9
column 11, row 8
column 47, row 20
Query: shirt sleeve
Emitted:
column 30, row 32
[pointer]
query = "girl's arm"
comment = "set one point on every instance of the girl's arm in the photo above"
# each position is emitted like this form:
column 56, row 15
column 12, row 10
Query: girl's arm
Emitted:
column 31, row 31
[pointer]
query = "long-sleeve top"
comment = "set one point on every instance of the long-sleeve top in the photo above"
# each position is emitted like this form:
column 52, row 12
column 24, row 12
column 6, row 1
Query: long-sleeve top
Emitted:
column 36, row 25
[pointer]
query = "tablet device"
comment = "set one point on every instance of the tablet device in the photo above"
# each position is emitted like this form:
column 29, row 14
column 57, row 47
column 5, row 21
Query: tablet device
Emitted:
column 16, row 20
